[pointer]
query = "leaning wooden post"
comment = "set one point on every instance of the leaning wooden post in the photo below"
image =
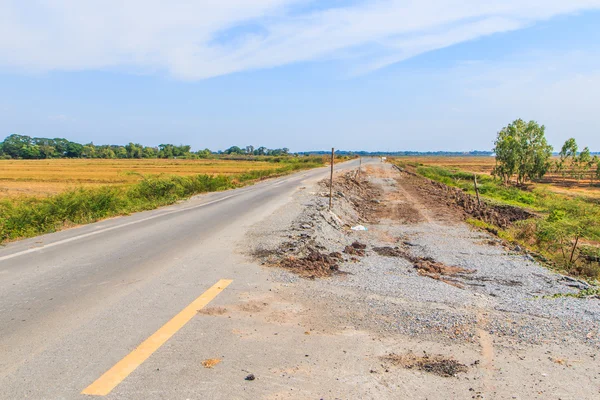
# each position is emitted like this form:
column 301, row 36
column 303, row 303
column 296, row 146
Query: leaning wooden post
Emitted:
column 331, row 180
column 476, row 189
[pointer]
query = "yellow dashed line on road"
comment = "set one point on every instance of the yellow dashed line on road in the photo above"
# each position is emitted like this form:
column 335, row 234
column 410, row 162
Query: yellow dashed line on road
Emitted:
column 121, row 370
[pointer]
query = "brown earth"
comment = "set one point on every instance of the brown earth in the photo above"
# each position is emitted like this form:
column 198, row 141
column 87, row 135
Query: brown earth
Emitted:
column 434, row 364
column 449, row 202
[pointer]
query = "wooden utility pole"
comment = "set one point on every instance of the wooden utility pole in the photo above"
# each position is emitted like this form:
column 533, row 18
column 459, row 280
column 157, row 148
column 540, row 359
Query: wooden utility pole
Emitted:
column 331, row 180
column 476, row 189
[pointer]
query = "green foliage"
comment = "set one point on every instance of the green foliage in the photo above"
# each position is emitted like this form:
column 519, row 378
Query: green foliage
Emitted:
column 521, row 149
column 582, row 294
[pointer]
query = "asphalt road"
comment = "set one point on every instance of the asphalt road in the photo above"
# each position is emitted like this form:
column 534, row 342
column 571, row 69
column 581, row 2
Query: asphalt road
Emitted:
column 74, row 304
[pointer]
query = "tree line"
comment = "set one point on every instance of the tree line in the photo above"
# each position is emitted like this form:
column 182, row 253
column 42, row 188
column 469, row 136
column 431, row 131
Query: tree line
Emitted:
column 523, row 153
column 25, row 147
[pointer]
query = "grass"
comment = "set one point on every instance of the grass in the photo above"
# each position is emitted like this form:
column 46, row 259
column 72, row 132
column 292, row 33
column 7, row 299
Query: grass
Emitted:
column 566, row 231
column 483, row 166
column 28, row 216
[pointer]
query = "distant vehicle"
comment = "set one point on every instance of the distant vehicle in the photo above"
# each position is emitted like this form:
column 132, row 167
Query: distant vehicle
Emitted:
column 383, row 159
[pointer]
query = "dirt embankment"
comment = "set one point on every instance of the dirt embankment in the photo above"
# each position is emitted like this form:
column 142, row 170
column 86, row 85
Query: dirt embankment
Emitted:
column 464, row 203
column 364, row 197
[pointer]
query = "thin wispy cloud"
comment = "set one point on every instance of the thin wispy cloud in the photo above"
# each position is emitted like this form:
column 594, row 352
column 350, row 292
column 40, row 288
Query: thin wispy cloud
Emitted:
column 196, row 40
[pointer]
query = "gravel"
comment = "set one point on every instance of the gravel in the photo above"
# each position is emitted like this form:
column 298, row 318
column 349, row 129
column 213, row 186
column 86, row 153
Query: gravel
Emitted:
column 505, row 295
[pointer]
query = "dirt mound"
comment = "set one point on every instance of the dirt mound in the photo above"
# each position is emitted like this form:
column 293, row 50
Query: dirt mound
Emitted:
column 314, row 265
column 455, row 198
column 434, row 364
column 356, row 249
column 389, row 251
column 362, row 194
column 442, row 272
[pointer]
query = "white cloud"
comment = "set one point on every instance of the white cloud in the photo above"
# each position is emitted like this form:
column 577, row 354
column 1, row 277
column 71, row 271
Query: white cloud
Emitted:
column 185, row 38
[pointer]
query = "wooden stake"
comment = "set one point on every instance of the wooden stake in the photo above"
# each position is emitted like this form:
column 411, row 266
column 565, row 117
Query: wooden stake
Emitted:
column 331, row 180
column 476, row 189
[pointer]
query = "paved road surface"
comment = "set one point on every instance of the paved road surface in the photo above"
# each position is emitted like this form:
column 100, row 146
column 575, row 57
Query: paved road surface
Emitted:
column 75, row 303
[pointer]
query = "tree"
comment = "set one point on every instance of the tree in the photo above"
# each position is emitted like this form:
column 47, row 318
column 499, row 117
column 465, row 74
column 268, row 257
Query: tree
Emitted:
column 261, row 151
column 234, row 150
column 46, row 151
column 204, row 153
column 250, row 149
column 121, row 152
column 74, row 150
column 562, row 231
column 583, row 163
column 567, row 154
column 89, row 151
column 134, row 150
column 521, row 149
column 149, row 152
column 105, row 152
column 30, row 151
column 14, row 144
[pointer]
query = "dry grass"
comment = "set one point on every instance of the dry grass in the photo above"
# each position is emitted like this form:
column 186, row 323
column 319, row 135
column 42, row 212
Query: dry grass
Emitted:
column 484, row 165
column 43, row 177
column 211, row 362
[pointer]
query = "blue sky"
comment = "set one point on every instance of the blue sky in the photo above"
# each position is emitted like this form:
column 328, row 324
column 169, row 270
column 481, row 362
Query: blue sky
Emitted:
column 357, row 75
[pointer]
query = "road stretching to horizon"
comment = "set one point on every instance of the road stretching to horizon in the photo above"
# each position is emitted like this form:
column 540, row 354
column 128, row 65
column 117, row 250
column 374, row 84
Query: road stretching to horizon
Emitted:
column 92, row 311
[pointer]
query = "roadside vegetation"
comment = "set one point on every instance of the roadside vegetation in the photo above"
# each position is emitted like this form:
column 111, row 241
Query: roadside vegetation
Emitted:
column 28, row 216
column 566, row 231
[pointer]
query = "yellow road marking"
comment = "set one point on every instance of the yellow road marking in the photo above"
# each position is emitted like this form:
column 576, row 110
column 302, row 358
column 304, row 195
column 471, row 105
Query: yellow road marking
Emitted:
column 111, row 378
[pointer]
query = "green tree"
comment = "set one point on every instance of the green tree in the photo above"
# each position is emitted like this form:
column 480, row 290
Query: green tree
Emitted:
column 521, row 149
column 261, row 151
column 73, row 150
column 47, row 151
column 204, row 153
column 234, row 150
column 121, row 152
column 134, row 150
column 563, row 231
column 14, row 145
column 583, row 163
column 568, row 154
column 30, row 151
column 89, row 151
column 149, row 152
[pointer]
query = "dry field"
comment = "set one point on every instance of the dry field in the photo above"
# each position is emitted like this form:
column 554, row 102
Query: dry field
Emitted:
column 43, row 177
column 484, row 165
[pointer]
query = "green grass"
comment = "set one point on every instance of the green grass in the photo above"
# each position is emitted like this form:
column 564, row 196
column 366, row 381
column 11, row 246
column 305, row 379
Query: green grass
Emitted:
column 32, row 216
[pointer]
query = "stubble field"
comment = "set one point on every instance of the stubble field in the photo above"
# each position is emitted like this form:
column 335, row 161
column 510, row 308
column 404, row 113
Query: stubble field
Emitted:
column 45, row 177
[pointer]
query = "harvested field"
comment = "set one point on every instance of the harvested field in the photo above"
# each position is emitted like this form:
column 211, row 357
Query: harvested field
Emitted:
column 44, row 177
